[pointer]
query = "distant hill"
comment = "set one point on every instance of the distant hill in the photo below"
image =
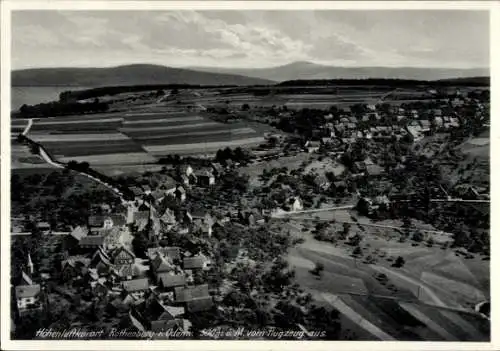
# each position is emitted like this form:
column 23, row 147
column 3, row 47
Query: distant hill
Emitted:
column 308, row 70
column 126, row 75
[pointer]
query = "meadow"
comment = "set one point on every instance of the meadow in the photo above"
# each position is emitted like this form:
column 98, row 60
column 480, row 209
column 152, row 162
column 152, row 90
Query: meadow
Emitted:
column 420, row 301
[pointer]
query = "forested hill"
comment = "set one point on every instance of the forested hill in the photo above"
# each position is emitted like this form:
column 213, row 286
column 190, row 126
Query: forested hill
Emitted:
column 126, row 75
column 473, row 81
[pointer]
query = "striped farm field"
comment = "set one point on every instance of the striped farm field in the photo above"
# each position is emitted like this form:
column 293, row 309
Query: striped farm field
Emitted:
column 113, row 158
column 18, row 122
column 163, row 121
column 17, row 129
column 166, row 132
column 49, row 137
column 155, row 115
column 84, row 148
column 181, row 126
column 82, row 120
column 79, row 118
column 176, row 133
column 220, row 136
column 79, row 126
column 200, row 147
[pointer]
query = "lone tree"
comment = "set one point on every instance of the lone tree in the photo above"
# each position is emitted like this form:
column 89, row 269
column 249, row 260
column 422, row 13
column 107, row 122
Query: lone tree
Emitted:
column 430, row 242
column 400, row 261
column 318, row 268
column 418, row 236
column 357, row 252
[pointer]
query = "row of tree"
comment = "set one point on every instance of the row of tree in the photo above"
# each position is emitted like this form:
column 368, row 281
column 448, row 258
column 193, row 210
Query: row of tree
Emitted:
column 51, row 109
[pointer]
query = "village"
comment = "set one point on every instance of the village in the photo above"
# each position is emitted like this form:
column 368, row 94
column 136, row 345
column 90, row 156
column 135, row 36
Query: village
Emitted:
column 158, row 260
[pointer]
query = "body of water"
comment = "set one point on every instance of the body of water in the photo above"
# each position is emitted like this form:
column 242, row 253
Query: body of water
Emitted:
column 35, row 95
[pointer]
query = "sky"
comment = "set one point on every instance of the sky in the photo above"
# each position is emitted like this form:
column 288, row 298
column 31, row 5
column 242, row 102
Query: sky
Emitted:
column 250, row 38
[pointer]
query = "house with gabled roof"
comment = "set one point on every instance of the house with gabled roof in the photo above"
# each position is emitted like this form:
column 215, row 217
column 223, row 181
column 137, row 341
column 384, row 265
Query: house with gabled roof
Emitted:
column 91, row 242
column 202, row 228
column 197, row 262
column 180, row 194
column 185, row 294
column 73, row 267
column 136, row 286
column 157, row 317
column 199, row 305
column 170, row 280
column 101, row 262
column 205, row 178
column 168, row 218
column 71, row 241
column 129, row 271
column 157, row 196
column 28, row 298
column 312, row 146
column 122, row 256
column 161, row 264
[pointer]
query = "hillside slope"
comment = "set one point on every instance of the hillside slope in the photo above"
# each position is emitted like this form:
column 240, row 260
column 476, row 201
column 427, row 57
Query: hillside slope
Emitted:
column 309, row 70
column 126, row 75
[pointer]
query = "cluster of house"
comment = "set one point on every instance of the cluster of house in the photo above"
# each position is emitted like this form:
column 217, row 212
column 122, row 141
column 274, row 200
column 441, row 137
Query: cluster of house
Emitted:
column 185, row 177
column 371, row 124
column 107, row 267
column 159, row 290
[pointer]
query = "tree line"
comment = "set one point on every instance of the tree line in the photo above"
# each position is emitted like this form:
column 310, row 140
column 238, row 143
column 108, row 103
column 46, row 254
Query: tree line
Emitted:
column 60, row 108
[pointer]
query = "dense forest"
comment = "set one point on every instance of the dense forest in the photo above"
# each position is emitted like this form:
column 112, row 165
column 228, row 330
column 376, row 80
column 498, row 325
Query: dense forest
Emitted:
column 60, row 108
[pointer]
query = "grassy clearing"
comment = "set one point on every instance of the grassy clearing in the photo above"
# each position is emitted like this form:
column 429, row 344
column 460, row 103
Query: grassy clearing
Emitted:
column 47, row 137
column 454, row 267
column 460, row 291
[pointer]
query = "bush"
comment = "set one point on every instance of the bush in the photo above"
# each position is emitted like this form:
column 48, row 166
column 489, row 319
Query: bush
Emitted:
column 318, row 268
column 400, row 261
column 418, row 236
column 357, row 252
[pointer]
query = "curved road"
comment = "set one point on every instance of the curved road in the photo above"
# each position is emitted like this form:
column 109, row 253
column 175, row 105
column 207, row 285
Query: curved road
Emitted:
column 28, row 127
column 60, row 165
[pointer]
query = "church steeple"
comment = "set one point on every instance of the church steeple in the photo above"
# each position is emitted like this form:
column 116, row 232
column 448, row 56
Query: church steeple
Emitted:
column 31, row 267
